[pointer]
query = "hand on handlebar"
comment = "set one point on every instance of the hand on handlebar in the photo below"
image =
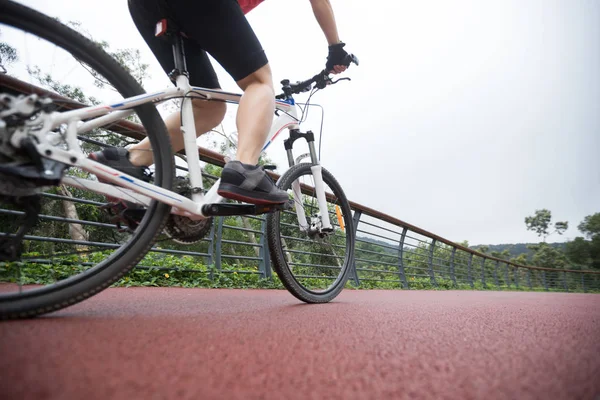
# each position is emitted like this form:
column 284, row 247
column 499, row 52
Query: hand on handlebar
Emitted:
column 320, row 80
column 335, row 58
column 338, row 59
column 323, row 79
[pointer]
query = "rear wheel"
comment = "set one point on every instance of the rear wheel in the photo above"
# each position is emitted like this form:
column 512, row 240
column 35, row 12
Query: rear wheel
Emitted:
column 67, row 259
column 313, row 265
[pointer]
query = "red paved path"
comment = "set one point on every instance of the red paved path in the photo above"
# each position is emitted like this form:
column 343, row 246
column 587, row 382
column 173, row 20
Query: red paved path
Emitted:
column 230, row 344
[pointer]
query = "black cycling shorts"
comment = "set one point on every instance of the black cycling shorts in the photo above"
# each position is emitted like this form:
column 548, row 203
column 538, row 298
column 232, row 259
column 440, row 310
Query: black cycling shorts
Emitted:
column 216, row 27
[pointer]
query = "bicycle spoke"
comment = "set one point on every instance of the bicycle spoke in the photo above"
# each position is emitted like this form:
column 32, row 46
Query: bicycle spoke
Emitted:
column 74, row 234
column 316, row 259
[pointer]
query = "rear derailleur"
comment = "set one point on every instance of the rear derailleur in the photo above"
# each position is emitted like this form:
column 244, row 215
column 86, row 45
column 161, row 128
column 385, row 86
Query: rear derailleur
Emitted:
column 24, row 171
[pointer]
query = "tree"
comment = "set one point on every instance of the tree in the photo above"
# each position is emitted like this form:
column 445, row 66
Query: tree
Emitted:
column 547, row 256
column 483, row 249
column 595, row 252
column 504, row 254
column 541, row 224
column 578, row 251
column 586, row 253
column 8, row 55
column 521, row 259
column 590, row 226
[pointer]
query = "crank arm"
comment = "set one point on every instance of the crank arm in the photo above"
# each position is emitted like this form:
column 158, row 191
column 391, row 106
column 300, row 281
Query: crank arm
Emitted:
column 227, row 210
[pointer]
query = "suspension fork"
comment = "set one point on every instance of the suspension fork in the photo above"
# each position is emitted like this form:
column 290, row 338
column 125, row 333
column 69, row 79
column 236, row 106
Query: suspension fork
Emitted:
column 319, row 184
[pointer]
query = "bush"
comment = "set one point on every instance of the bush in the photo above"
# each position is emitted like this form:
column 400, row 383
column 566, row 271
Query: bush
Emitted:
column 164, row 270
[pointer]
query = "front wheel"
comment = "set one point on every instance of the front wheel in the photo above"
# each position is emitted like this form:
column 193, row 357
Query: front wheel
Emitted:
column 313, row 263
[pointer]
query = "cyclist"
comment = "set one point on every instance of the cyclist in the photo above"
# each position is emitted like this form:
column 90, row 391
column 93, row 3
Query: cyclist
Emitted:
column 220, row 28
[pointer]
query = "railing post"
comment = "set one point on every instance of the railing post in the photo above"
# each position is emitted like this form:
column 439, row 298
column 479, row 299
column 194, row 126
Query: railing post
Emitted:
column 565, row 281
column 452, row 274
column 517, row 276
column 218, row 246
column 264, row 265
column 430, row 262
column 545, row 282
column 583, row 282
column 469, row 273
column 355, row 222
column 506, row 276
column 529, row 278
column 211, row 245
column 401, row 261
column 483, row 272
column 496, row 274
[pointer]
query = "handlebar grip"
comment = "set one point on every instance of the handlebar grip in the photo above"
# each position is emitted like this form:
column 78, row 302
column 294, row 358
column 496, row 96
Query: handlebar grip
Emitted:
column 350, row 58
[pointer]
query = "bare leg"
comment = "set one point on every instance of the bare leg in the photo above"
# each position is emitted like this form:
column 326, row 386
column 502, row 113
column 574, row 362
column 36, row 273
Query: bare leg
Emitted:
column 255, row 114
column 254, row 118
column 240, row 181
column 207, row 115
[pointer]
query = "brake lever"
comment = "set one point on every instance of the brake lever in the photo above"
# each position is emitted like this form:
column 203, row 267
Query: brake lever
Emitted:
column 322, row 80
column 340, row 79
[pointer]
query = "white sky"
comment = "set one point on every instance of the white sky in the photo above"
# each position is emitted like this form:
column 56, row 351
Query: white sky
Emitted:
column 464, row 116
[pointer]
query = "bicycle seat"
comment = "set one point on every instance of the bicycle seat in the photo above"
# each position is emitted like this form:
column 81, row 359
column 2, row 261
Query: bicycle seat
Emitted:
column 166, row 27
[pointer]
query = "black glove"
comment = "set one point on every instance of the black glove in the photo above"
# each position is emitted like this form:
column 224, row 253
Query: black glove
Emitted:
column 337, row 56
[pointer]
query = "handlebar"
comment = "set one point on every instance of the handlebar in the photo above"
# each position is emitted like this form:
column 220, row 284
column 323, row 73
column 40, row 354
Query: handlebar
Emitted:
column 322, row 79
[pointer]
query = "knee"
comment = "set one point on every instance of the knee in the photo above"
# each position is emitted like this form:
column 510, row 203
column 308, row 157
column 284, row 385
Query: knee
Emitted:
column 213, row 112
column 261, row 77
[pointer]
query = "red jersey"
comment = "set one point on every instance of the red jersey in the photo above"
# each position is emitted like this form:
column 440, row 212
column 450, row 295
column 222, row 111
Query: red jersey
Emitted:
column 248, row 5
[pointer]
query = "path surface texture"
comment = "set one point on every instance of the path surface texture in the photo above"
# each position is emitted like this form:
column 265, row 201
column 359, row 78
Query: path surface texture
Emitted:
column 170, row 343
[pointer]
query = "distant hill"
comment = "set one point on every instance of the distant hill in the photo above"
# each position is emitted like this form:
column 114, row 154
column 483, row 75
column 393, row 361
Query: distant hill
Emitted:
column 381, row 245
column 515, row 249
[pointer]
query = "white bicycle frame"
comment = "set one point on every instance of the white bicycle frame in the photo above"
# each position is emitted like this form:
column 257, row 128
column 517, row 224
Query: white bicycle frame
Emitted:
column 141, row 192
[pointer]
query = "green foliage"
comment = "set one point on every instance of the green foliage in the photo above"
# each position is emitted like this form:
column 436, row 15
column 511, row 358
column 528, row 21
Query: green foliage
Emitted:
column 160, row 270
column 595, row 252
column 590, row 226
column 521, row 259
column 8, row 55
column 510, row 250
column 541, row 224
column 66, row 90
column 582, row 252
column 578, row 251
column 483, row 249
column 504, row 254
column 548, row 257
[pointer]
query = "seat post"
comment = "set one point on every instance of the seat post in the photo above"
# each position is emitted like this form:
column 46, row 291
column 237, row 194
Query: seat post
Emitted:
column 167, row 29
column 179, row 57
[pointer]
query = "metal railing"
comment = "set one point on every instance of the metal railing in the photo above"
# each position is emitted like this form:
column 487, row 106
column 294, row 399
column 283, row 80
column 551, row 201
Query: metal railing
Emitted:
column 390, row 253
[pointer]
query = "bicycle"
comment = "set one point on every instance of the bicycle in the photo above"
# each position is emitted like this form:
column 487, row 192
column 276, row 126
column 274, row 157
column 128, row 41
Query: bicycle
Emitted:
column 39, row 145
